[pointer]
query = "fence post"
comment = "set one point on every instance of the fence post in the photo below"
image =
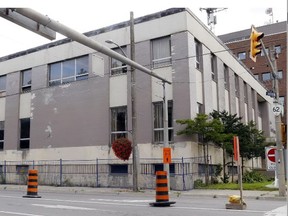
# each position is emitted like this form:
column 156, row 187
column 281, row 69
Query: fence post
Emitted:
column 97, row 174
column 33, row 165
column 183, row 175
column 5, row 170
column 60, row 172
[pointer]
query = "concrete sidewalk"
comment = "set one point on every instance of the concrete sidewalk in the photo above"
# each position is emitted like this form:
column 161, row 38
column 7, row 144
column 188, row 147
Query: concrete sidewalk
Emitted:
column 196, row 192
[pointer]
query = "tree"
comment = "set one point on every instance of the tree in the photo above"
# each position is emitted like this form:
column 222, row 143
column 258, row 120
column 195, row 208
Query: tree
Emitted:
column 252, row 140
column 207, row 130
column 232, row 125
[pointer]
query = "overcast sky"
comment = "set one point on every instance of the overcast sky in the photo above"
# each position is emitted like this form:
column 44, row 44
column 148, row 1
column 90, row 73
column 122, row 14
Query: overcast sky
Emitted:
column 87, row 15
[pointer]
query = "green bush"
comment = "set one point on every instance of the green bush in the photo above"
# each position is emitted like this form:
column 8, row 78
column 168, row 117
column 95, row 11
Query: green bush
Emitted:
column 252, row 176
column 198, row 183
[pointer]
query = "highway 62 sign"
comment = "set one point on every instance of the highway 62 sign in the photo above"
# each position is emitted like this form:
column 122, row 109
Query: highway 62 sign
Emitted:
column 277, row 109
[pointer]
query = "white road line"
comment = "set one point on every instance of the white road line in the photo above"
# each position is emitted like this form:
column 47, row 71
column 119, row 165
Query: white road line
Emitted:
column 18, row 213
column 70, row 207
column 124, row 201
column 281, row 211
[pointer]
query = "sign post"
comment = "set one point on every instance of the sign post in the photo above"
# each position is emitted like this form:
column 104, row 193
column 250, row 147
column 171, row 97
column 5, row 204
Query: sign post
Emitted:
column 239, row 204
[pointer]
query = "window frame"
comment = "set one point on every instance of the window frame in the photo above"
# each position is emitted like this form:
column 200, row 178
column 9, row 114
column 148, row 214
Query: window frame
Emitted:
column 122, row 67
column 2, row 135
column 114, row 132
column 24, row 137
column 158, row 122
column 61, row 77
column 26, row 87
column 114, row 169
column 165, row 59
column 241, row 55
column 226, row 77
column 214, row 67
column 264, row 75
column 198, row 55
column 4, row 83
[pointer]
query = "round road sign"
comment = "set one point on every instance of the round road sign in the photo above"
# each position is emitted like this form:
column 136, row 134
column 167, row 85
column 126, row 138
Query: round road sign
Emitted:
column 271, row 155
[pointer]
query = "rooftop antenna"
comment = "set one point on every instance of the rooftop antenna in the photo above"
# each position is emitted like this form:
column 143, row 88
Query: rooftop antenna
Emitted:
column 269, row 12
column 211, row 18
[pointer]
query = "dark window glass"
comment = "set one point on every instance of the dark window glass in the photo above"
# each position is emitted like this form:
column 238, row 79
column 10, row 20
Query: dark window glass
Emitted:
column 3, row 83
column 1, row 135
column 119, row 168
column 24, row 133
column 160, row 167
column 118, row 122
column 26, row 80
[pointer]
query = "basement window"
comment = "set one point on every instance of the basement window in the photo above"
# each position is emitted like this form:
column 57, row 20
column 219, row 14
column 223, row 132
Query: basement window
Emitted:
column 118, row 168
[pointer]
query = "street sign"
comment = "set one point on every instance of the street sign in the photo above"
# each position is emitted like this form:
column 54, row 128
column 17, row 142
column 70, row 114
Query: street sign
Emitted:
column 277, row 109
column 270, row 153
column 166, row 155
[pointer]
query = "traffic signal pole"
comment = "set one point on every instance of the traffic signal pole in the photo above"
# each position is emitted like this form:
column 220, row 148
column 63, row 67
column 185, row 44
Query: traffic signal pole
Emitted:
column 280, row 168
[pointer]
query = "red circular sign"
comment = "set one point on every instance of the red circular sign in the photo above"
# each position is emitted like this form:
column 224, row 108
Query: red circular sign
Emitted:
column 271, row 155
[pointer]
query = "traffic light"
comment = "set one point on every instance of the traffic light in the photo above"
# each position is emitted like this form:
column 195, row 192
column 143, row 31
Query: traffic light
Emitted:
column 283, row 133
column 255, row 43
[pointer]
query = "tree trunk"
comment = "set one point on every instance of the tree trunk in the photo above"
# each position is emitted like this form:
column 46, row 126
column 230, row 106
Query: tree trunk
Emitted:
column 205, row 163
column 224, row 164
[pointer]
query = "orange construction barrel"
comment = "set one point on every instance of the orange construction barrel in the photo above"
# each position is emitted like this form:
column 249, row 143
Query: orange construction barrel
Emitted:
column 32, row 184
column 162, row 192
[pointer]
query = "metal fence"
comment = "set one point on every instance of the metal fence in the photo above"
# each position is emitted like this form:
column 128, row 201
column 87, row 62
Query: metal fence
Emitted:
column 102, row 172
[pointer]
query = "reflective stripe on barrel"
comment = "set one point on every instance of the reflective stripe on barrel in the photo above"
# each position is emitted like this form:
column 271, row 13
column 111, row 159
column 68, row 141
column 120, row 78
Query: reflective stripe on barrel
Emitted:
column 161, row 187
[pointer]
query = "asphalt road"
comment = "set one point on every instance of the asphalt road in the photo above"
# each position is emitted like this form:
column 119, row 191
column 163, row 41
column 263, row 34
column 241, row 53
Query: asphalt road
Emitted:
column 124, row 204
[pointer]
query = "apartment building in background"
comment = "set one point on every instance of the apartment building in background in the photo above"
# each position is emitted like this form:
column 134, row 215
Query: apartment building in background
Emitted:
column 275, row 41
column 54, row 105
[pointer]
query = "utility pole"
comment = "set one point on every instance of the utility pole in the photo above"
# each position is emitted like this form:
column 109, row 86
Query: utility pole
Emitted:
column 280, row 170
column 133, row 108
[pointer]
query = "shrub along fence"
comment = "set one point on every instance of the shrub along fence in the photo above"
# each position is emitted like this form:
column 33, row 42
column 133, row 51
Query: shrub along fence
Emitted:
column 103, row 172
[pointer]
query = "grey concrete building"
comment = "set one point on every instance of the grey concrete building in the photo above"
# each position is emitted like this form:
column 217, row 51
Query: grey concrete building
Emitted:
column 53, row 105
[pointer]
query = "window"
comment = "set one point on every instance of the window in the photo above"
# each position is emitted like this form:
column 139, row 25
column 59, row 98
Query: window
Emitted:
column 282, row 100
column 200, row 108
column 236, row 85
column 119, row 169
column 262, row 52
column 266, row 76
column 1, row 135
column 68, row 71
column 26, row 80
column 241, row 55
column 280, row 74
column 25, row 133
column 160, row 167
column 161, row 52
column 226, row 77
column 118, row 123
column 245, row 92
column 198, row 50
column 256, row 76
column 117, row 67
column 277, row 49
column 253, row 98
column 213, row 67
column 2, row 83
column 159, row 122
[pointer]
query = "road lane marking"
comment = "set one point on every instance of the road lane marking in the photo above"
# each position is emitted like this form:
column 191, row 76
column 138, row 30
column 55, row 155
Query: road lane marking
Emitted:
column 124, row 201
column 18, row 213
column 281, row 211
column 70, row 207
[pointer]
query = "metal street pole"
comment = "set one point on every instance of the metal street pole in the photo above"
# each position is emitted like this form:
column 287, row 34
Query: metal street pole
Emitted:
column 133, row 107
column 166, row 133
column 280, row 170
